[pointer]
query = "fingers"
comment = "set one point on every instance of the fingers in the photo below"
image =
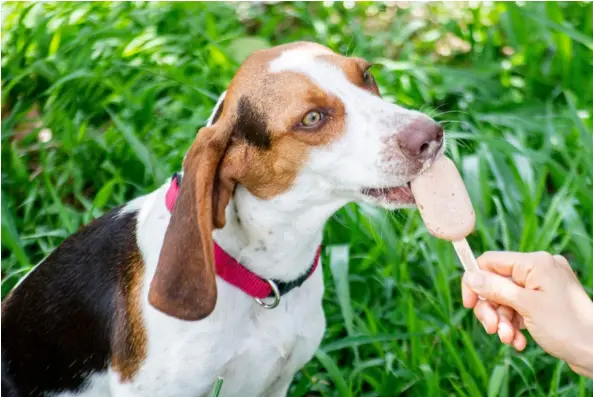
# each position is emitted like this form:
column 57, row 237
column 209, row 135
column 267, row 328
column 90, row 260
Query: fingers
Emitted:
column 487, row 315
column 484, row 311
column 506, row 329
column 502, row 320
column 562, row 261
column 509, row 328
column 517, row 265
column 468, row 297
column 519, row 342
column 498, row 289
column 520, row 321
column 512, row 283
column 496, row 318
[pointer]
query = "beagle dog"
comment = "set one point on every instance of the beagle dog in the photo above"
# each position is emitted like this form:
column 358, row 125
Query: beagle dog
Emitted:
column 215, row 274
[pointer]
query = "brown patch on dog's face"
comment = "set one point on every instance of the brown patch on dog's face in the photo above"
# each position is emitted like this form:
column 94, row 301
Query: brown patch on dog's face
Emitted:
column 269, row 142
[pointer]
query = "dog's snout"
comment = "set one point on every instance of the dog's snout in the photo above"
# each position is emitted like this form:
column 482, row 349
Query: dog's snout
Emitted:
column 421, row 138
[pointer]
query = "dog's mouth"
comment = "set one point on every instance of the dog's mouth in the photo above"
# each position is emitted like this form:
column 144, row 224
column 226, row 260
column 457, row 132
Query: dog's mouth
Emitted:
column 399, row 195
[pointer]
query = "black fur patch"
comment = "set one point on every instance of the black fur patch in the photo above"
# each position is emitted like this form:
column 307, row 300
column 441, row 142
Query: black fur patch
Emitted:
column 58, row 325
column 251, row 125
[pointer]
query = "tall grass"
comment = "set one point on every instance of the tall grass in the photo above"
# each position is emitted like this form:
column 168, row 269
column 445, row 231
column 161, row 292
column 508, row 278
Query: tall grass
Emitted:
column 101, row 100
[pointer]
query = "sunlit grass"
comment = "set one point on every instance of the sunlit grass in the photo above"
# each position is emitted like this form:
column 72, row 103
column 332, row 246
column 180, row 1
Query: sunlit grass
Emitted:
column 100, row 101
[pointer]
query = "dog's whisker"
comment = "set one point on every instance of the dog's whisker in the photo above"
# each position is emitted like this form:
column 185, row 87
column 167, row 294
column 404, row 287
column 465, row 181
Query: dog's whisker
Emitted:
column 349, row 45
column 433, row 111
column 340, row 221
column 459, row 122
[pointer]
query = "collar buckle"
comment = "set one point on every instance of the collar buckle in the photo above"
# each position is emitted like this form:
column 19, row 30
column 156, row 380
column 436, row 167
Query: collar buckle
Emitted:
column 276, row 296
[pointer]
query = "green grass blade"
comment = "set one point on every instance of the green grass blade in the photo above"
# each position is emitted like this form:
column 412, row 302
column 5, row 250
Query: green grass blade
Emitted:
column 334, row 372
column 10, row 235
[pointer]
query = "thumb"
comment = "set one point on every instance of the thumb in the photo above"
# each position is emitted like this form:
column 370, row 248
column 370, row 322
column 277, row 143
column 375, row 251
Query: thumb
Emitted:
column 497, row 289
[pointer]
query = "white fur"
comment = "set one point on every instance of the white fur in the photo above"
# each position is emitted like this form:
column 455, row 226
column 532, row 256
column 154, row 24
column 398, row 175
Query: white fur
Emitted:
column 218, row 103
column 369, row 122
column 258, row 351
column 97, row 385
column 185, row 358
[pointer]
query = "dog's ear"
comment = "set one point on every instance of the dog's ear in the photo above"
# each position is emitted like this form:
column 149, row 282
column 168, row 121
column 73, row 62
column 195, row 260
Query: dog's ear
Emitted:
column 184, row 284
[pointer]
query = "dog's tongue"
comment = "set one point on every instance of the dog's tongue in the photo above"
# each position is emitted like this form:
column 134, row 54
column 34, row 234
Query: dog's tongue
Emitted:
column 443, row 201
column 399, row 194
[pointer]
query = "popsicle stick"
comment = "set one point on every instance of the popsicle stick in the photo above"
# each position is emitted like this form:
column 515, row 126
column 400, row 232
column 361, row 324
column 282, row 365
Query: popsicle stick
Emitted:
column 466, row 256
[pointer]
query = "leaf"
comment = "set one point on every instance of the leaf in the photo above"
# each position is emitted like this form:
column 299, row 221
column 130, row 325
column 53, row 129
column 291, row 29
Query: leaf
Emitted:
column 582, row 240
column 104, row 194
column 217, row 387
column 496, row 380
column 339, row 259
column 361, row 340
column 241, row 48
column 586, row 136
column 334, row 372
column 138, row 147
column 473, row 359
column 63, row 214
column 461, row 366
column 79, row 74
column 18, row 167
column 567, row 30
column 10, row 235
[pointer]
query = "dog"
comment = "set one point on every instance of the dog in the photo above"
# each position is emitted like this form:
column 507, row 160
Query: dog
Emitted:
column 216, row 273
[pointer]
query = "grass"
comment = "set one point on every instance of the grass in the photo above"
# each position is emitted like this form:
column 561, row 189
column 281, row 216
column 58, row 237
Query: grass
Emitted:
column 100, row 101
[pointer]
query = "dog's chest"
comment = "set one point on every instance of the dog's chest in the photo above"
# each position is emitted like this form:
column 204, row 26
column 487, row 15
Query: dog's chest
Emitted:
column 256, row 351
column 273, row 349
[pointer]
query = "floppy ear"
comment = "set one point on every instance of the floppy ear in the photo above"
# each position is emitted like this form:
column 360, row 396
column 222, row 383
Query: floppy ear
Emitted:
column 184, row 284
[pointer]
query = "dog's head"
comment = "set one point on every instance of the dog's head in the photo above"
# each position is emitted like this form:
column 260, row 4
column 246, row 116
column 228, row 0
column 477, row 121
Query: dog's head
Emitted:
column 294, row 117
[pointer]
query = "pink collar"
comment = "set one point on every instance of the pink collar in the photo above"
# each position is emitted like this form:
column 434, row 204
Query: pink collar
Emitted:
column 233, row 272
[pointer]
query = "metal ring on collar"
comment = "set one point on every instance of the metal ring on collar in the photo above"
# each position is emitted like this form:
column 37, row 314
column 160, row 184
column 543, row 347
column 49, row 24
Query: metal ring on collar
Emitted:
column 276, row 296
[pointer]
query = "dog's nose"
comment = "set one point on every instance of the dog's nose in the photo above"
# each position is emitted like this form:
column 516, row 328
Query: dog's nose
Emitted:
column 421, row 138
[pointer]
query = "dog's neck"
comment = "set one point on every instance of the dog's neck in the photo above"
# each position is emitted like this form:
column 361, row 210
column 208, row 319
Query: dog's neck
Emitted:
column 276, row 238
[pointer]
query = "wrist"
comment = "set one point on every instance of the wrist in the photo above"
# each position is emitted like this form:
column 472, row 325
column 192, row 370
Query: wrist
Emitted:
column 584, row 363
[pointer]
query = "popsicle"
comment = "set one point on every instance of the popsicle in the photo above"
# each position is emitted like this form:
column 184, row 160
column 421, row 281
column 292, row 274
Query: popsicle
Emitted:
column 446, row 208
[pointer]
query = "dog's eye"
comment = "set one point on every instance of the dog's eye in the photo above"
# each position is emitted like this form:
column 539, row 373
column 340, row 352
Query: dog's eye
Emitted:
column 368, row 77
column 311, row 119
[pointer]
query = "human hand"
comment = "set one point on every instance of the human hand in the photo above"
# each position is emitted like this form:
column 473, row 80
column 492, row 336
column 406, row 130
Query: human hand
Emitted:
column 536, row 291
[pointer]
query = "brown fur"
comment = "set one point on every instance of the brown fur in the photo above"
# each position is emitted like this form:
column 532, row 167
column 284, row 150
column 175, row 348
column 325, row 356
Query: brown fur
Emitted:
column 285, row 98
column 129, row 340
column 184, row 284
column 264, row 152
column 77, row 312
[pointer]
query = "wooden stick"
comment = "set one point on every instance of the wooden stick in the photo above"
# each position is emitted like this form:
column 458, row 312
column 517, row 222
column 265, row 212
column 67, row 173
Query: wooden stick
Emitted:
column 466, row 256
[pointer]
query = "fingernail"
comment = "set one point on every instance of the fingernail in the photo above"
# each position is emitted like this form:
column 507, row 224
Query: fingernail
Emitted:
column 484, row 325
column 475, row 279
